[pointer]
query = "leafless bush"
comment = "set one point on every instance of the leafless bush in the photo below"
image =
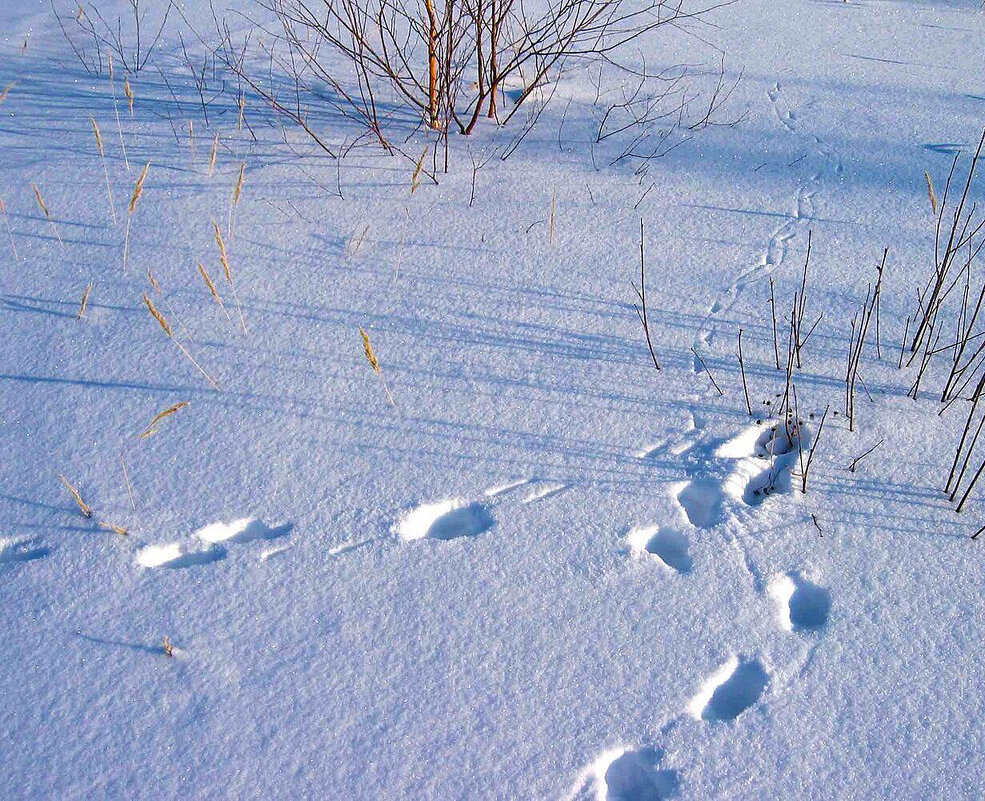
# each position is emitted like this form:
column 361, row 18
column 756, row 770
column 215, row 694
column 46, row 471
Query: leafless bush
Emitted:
column 394, row 65
column 129, row 38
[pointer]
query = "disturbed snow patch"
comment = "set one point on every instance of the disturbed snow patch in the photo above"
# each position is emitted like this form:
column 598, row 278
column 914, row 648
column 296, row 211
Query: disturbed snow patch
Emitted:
column 701, row 501
column 624, row 774
column 804, row 606
column 730, row 690
column 446, row 520
column 669, row 546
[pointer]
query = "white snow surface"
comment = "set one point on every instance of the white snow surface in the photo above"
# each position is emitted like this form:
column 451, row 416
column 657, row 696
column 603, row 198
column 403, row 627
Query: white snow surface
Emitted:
column 547, row 570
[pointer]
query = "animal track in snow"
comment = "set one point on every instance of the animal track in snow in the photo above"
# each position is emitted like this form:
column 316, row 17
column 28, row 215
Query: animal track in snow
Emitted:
column 502, row 489
column 764, row 457
column 624, row 774
column 173, row 555
column 730, row 690
column 669, row 546
column 701, row 500
column 209, row 546
column 446, row 520
column 804, row 606
column 246, row 529
column 545, row 490
column 13, row 550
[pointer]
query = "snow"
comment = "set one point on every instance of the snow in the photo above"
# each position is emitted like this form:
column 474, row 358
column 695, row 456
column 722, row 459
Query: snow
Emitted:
column 547, row 570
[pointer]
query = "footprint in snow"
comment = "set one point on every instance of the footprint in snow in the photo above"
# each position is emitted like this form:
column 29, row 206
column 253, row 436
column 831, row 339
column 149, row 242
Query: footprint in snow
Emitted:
column 804, row 606
column 701, row 502
column 446, row 520
column 730, row 690
column 668, row 546
column 625, row 774
column 207, row 544
column 27, row 549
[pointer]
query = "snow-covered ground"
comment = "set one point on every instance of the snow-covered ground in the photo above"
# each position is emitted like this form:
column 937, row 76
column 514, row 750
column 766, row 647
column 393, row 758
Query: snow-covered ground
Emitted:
column 547, row 570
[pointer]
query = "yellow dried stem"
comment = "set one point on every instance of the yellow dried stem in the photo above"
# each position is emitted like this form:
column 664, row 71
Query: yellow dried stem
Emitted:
column 415, row 180
column 375, row 364
column 368, row 348
column 98, row 134
column 212, row 288
column 161, row 319
column 212, row 155
column 114, row 528
column 138, row 189
column 77, row 496
column 41, row 203
column 223, row 255
column 151, row 428
column 85, row 303
column 931, row 193
column 239, row 184
column 6, row 89
column 129, row 93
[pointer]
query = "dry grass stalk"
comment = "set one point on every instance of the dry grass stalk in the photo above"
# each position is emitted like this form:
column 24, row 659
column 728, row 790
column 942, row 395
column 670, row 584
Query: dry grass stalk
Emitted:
column 84, row 303
column 47, row 214
column 415, row 180
column 242, row 110
column 128, row 92
column 168, row 647
column 224, row 260
column 126, row 481
column 161, row 319
column 10, row 233
column 931, row 193
column 116, row 108
column 77, row 496
column 212, row 155
column 6, row 89
column 354, row 243
column 114, row 528
column 153, row 281
column 191, row 136
column 152, row 427
column 375, row 364
column 166, row 326
column 237, row 191
column 212, row 289
column 223, row 254
column 138, row 190
column 102, row 158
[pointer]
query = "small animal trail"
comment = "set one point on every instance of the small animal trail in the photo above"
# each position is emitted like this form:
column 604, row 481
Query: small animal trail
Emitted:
column 544, row 490
column 16, row 551
column 670, row 547
column 675, row 445
column 539, row 489
column 701, row 501
column 804, row 606
column 446, row 520
column 729, row 691
column 627, row 774
column 801, row 212
column 208, row 544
